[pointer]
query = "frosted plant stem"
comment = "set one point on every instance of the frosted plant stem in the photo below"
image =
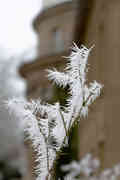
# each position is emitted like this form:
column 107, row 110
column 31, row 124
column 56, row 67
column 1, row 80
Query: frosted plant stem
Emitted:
column 64, row 123
column 47, row 158
column 76, row 119
column 70, row 123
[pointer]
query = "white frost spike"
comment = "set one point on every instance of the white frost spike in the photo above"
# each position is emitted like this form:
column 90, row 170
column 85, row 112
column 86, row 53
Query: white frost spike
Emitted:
column 61, row 79
column 59, row 130
column 86, row 93
column 38, row 143
column 77, row 62
column 32, row 131
column 94, row 91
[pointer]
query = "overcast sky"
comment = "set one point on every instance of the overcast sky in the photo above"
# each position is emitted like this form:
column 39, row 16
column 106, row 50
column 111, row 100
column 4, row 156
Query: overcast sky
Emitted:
column 16, row 34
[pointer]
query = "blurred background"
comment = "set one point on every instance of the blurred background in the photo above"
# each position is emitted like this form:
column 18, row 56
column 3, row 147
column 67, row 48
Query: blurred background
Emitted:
column 34, row 36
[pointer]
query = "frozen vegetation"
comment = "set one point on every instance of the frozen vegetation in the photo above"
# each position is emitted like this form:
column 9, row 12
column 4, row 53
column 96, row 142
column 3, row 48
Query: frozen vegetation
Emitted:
column 48, row 126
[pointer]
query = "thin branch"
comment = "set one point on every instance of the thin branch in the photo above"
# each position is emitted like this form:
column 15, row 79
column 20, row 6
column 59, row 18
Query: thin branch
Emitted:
column 64, row 123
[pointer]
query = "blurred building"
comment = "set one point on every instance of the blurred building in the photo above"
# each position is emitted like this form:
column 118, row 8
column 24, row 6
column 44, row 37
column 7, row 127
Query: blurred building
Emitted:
column 55, row 29
column 100, row 133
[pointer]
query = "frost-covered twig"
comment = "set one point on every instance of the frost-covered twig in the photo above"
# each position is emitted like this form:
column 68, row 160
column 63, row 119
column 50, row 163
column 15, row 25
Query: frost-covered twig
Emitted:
column 47, row 126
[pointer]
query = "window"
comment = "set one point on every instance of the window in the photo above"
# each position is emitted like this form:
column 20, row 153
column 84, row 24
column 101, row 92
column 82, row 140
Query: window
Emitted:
column 58, row 44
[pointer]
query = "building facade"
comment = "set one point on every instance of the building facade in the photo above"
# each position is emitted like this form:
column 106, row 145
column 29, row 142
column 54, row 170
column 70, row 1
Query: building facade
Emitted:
column 100, row 133
column 55, row 30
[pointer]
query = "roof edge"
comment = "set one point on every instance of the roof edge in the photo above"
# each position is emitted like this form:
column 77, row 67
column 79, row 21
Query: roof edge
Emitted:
column 67, row 5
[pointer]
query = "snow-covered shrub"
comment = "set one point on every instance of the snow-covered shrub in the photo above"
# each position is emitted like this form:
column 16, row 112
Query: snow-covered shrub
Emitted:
column 48, row 126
